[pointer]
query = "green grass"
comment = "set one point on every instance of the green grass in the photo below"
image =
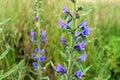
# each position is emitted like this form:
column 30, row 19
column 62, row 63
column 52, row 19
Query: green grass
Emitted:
column 103, row 49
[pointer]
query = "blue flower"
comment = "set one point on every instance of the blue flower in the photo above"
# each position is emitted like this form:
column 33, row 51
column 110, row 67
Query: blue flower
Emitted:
column 83, row 57
column 37, row 50
column 35, row 64
column 79, row 74
column 32, row 33
column 70, row 24
column 77, row 33
column 84, row 24
column 44, row 40
column 42, row 58
column 78, row 39
column 86, row 31
column 63, row 40
column 76, row 46
column 34, row 55
column 43, row 33
column 65, row 9
column 37, row 18
column 61, row 69
column 63, row 24
column 42, row 51
column 80, row 46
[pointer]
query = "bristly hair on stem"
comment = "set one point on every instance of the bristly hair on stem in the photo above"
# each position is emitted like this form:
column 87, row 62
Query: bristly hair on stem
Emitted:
column 71, row 57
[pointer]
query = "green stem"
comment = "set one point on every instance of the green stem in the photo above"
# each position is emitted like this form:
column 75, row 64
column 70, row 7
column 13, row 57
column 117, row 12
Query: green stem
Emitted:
column 39, row 64
column 38, row 45
column 71, row 57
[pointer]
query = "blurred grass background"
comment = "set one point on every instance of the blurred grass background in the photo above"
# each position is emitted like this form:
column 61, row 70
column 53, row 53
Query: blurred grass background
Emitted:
column 103, row 49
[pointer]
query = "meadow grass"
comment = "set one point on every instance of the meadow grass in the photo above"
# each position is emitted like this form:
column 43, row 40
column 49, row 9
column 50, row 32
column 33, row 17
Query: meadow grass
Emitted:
column 103, row 48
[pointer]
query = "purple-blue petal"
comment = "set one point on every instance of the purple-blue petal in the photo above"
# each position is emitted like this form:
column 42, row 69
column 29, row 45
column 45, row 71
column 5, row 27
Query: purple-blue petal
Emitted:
column 32, row 33
column 83, row 56
column 78, row 39
column 37, row 18
column 43, row 33
column 61, row 69
column 42, row 51
column 63, row 40
column 42, row 58
column 70, row 24
column 86, row 31
column 84, row 24
column 65, row 9
column 37, row 50
column 63, row 24
column 35, row 64
column 79, row 74
column 77, row 33
column 34, row 55
column 58, row 67
column 44, row 40
column 80, row 46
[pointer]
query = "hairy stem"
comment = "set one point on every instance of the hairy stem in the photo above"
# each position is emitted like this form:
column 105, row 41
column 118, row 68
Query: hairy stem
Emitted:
column 71, row 57
column 38, row 45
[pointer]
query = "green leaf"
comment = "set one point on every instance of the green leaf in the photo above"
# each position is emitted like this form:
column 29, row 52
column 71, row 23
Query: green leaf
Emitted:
column 61, row 53
column 31, row 78
column 46, row 65
column 85, row 70
column 52, row 64
column 108, row 77
column 87, row 11
column 45, row 78
column 5, row 21
column 15, row 68
column 4, row 53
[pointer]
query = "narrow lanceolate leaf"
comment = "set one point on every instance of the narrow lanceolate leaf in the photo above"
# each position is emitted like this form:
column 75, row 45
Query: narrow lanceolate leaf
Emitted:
column 87, row 11
column 61, row 53
column 15, row 68
column 52, row 64
column 85, row 70
column 31, row 78
column 5, row 21
column 45, row 78
column 108, row 77
column 4, row 53
column 46, row 65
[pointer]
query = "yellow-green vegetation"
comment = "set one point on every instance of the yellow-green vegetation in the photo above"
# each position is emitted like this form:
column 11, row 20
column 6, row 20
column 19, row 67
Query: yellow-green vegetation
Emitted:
column 17, row 19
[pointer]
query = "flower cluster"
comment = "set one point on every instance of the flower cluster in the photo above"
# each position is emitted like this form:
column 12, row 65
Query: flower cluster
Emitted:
column 79, row 34
column 43, row 34
column 34, row 36
column 39, row 54
column 60, row 68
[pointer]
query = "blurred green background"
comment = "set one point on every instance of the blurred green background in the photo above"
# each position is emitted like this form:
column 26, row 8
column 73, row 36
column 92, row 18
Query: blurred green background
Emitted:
column 17, row 19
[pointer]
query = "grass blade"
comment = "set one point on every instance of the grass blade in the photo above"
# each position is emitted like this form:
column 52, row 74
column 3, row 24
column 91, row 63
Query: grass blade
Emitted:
column 4, row 53
column 21, row 64
column 5, row 21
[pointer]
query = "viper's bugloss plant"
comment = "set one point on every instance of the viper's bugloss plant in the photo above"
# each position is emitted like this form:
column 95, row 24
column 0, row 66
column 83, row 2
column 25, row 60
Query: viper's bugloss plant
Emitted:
column 39, row 54
column 38, row 38
column 75, row 45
